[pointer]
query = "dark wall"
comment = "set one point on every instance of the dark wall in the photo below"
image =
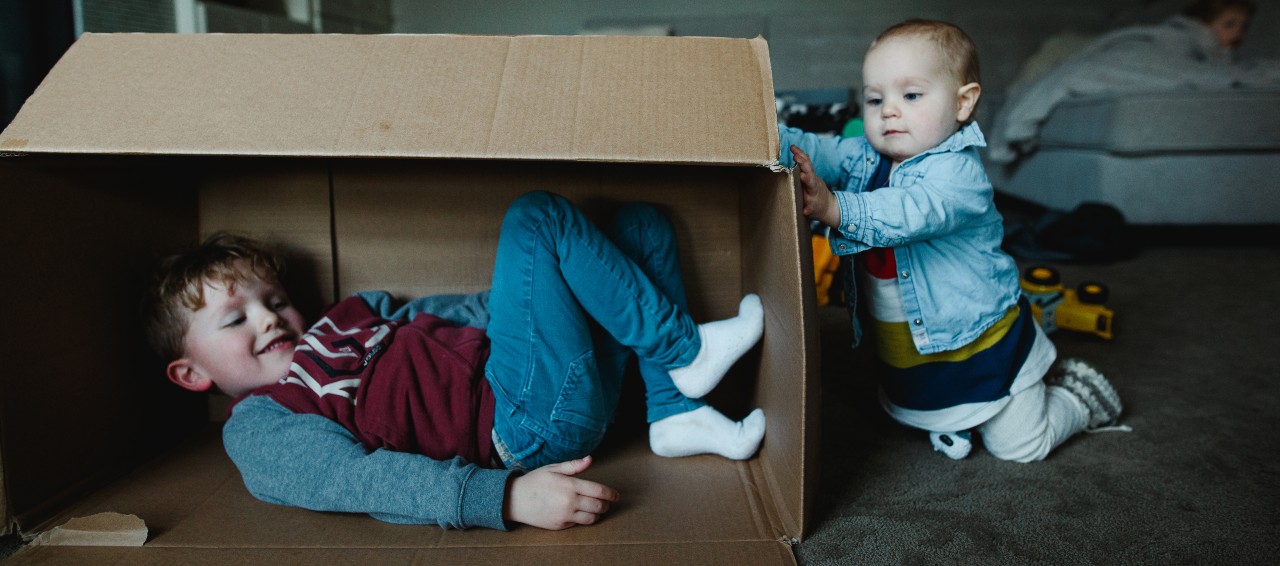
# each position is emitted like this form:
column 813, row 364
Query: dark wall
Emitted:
column 33, row 35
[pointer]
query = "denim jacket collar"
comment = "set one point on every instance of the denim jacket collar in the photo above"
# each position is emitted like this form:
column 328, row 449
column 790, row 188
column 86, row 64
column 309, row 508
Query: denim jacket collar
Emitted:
column 968, row 136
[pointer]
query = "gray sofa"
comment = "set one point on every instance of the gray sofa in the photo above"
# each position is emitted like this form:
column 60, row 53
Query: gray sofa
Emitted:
column 1190, row 157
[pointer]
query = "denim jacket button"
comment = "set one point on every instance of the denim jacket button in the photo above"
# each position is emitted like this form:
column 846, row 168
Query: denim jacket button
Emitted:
column 843, row 247
column 918, row 322
column 906, row 275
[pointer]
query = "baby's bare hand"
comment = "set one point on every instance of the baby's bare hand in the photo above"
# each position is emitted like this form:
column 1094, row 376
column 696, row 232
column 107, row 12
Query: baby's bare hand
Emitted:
column 551, row 498
column 819, row 203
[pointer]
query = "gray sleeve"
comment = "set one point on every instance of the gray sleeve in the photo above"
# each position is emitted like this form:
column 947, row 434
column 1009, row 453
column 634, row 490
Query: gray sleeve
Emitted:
column 466, row 309
column 309, row 461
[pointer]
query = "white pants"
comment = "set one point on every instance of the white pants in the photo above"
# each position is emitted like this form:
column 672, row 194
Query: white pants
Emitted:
column 1036, row 420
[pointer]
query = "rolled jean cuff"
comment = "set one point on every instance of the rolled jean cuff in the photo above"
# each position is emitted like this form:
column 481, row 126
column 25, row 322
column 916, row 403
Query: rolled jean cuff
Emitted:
column 509, row 460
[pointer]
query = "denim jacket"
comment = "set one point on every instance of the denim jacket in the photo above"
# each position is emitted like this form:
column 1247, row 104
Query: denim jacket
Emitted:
column 938, row 216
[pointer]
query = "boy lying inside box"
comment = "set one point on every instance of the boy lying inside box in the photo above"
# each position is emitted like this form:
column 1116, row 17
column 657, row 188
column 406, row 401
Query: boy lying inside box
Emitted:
column 381, row 406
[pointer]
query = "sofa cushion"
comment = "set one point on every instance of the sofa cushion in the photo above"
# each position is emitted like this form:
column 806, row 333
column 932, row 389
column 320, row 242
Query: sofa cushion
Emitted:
column 1185, row 121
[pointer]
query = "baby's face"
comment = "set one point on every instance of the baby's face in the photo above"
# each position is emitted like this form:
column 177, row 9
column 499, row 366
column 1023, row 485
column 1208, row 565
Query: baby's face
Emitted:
column 910, row 101
column 243, row 338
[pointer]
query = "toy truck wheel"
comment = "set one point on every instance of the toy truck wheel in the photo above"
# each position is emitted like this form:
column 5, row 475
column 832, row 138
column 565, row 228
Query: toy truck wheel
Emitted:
column 1092, row 293
column 1042, row 275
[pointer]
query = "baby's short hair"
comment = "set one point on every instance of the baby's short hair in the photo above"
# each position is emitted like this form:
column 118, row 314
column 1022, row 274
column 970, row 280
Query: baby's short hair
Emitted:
column 957, row 49
column 178, row 286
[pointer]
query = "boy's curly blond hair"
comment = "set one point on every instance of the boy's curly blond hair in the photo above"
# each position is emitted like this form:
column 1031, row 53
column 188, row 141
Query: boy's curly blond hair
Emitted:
column 178, row 286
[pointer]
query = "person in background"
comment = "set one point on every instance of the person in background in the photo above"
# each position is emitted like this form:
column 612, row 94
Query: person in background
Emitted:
column 1227, row 19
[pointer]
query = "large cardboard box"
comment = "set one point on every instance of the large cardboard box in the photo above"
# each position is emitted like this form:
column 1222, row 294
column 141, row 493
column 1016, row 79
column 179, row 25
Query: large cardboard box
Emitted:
column 382, row 162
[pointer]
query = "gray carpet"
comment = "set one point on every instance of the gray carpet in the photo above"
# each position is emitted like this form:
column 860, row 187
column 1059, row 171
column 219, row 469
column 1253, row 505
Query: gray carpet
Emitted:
column 1196, row 360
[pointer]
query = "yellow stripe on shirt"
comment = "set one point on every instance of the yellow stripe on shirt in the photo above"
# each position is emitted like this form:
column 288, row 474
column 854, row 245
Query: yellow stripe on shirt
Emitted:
column 895, row 346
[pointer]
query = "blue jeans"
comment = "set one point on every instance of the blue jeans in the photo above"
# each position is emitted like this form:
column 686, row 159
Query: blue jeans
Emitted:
column 569, row 306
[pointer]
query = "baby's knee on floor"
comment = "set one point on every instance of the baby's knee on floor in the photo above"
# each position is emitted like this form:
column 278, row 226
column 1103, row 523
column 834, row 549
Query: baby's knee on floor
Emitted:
column 1029, row 450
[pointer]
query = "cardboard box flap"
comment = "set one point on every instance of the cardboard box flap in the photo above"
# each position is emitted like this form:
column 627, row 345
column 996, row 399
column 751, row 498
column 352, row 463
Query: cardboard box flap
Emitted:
column 589, row 98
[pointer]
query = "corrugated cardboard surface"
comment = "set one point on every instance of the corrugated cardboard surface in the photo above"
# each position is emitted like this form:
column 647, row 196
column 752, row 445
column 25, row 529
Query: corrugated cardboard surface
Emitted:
column 196, row 500
column 457, row 207
column 692, row 100
column 730, row 233
column 790, row 381
column 411, row 226
column 75, row 409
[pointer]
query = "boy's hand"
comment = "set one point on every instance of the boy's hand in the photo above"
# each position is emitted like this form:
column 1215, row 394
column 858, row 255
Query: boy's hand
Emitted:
column 819, row 203
column 551, row 498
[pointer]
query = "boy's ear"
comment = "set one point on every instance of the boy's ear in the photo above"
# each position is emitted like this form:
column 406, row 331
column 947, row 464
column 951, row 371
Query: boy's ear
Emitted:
column 967, row 100
column 183, row 373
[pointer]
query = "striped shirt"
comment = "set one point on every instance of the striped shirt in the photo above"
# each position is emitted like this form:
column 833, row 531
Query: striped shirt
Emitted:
column 955, row 389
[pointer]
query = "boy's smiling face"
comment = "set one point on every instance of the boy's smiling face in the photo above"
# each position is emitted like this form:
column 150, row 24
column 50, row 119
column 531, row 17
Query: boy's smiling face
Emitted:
column 910, row 100
column 242, row 338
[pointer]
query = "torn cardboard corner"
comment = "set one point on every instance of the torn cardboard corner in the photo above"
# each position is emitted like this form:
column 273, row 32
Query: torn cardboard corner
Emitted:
column 103, row 529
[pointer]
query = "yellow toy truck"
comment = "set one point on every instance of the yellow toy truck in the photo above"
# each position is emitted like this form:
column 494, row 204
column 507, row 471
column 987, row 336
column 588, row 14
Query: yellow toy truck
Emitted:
column 1055, row 306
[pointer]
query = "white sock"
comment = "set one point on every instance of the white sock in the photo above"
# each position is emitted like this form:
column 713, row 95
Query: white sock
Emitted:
column 706, row 431
column 723, row 342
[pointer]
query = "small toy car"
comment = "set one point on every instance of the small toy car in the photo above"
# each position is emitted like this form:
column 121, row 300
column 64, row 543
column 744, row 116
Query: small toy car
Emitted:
column 1054, row 306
